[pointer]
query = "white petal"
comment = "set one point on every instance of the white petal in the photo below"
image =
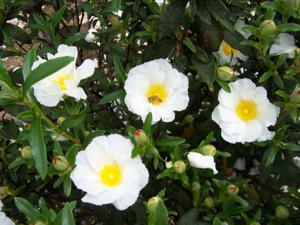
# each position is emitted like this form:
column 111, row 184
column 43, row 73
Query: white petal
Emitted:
column 86, row 69
column 105, row 197
column 47, row 99
column 76, row 93
column 200, row 161
column 240, row 164
column 122, row 147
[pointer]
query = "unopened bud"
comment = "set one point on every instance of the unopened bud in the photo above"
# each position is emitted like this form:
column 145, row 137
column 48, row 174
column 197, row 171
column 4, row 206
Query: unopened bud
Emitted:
column 209, row 202
column 224, row 73
column 267, row 28
column 291, row 4
column 208, row 150
column 254, row 223
column 282, row 212
column 60, row 120
column 140, row 137
column 26, row 152
column 179, row 166
column 60, row 163
column 169, row 164
column 4, row 190
column 232, row 189
column 196, row 186
column 295, row 96
column 152, row 204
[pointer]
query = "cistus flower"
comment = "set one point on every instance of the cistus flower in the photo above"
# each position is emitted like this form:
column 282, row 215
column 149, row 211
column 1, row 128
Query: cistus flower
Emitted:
column 285, row 43
column 200, row 161
column 4, row 220
column 245, row 114
column 50, row 90
column 90, row 37
column 158, row 88
column 106, row 171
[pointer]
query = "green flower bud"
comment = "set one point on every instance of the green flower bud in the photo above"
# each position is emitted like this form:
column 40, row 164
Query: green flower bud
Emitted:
column 4, row 190
column 26, row 152
column 295, row 96
column 196, row 186
column 140, row 137
column 267, row 28
column 291, row 4
column 254, row 223
column 208, row 150
column 60, row 163
column 152, row 204
column 39, row 223
column 209, row 202
column 232, row 189
column 60, row 120
column 179, row 166
column 282, row 212
column 224, row 73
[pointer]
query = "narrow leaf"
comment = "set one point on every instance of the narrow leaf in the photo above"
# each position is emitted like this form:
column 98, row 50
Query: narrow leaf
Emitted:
column 28, row 61
column 119, row 69
column 147, row 124
column 170, row 141
column 28, row 210
column 65, row 216
column 57, row 16
column 4, row 76
column 74, row 120
column 120, row 94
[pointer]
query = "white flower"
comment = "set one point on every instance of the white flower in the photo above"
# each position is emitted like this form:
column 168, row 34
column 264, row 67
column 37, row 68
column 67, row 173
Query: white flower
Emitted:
column 158, row 88
column 240, row 164
column 200, row 161
column 90, row 37
column 296, row 161
column 51, row 89
column 285, row 43
column 106, row 171
column 245, row 114
column 4, row 220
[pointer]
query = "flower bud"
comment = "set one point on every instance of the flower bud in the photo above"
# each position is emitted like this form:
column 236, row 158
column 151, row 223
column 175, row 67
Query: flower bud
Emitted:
column 4, row 190
column 208, row 150
column 196, row 186
column 60, row 163
column 254, row 223
column 232, row 189
column 60, row 120
column 179, row 166
column 282, row 212
column 140, row 137
column 152, row 204
column 168, row 164
column 224, row 73
column 209, row 202
column 291, row 4
column 26, row 152
column 295, row 96
column 267, row 28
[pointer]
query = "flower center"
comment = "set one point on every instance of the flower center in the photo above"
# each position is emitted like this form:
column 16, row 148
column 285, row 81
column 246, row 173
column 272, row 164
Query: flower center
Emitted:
column 156, row 94
column 228, row 50
column 61, row 81
column 111, row 175
column 246, row 110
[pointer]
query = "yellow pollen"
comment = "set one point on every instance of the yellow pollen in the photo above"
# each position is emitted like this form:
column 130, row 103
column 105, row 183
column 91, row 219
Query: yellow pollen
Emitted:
column 61, row 81
column 228, row 50
column 111, row 175
column 156, row 94
column 246, row 110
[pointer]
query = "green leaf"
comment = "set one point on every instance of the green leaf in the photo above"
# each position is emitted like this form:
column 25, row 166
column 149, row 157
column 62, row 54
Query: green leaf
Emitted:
column 29, row 211
column 17, row 33
column 281, row 59
column 74, row 120
column 46, row 69
column 65, row 216
column 67, row 184
column 57, row 16
column 224, row 85
column 269, row 155
column 121, row 74
column 189, row 217
column 28, row 61
column 240, row 200
column 38, row 148
column 137, row 150
column 120, row 94
column 170, row 141
column 265, row 76
column 75, row 37
column 151, row 149
column 147, row 124
column 4, row 76
column 287, row 27
column 189, row 44
column 217, row 221
column 71, row 154
column 160, row 216
column 18, row 161
column 292, row 147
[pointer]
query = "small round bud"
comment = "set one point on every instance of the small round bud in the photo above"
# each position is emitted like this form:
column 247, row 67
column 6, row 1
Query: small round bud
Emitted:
column 169, row 164
column 209, row 202
column 60, row 120
column 282, row 212
column 254, row 223
column 267, row 28
column 208, row 150
column 232, row 189
column 4, row 190
column 224, row 73
column 179, row 166
column 60, row 163
column 140, row 137
column 26, row 152
column 196, row 186
column 152, row 204
column 295, row 96
column 291, row 4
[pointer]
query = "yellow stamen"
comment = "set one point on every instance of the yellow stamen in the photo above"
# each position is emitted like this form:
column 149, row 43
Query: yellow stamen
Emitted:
column 228, row 50
column 246, row 110
column 156, row 94
column 111, row 175
column 61, row 81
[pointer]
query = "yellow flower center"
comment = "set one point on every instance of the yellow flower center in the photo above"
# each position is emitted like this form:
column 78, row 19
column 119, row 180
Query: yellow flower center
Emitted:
column 246, row 110
column 228, row 50
column 61, row 81
column 156, row 94
column 111, row 175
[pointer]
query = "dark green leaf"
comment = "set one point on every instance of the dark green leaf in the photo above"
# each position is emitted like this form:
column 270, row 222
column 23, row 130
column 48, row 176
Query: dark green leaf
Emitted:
column 57, row 16
column 224, row 85
column 28, row 61
column 160, row 216
column 120, row 94
column 170, row 141
column 67, row 184
column 137, row 150
column 29, row 211
column 287, row 27
column 265, row 76
column 75, row 37
column 74, row 120
column 121, row 74
column 17, row 33
column 4, row 76
column 269, row 155
column 65, row 216
column 189, row 217
column 18, row 161
column 281, row 59
column 147, row 124
column 240, row 200
column 292, row 147
column 46, row 69
column 71, row 154
column 217, row 221
column 189, row 44
column 38, row 148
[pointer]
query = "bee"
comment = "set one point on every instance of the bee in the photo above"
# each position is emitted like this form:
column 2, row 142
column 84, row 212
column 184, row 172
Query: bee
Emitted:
column 154, row 99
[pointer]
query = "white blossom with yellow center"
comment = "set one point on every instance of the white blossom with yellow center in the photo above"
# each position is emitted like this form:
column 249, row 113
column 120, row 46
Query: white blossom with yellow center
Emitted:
column 106, row 171
column 158, row 88
column 51, row 89
column 245, row 114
